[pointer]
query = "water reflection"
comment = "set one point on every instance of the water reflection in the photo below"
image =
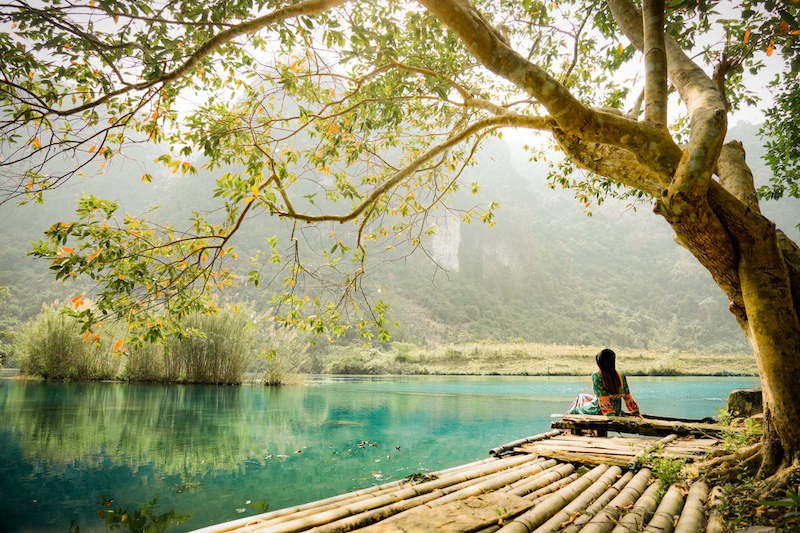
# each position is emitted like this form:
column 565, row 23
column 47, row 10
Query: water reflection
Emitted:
column 219, row 453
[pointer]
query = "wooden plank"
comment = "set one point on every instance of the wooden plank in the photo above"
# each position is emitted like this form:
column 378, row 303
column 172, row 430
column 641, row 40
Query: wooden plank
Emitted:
column 544, row 450
column 500, row 450
column 588, row 458
column 632, row 447
column 641, row 426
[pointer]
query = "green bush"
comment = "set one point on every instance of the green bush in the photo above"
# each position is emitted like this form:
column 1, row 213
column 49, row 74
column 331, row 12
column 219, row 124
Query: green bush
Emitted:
column 217, row 348
column 53, row 347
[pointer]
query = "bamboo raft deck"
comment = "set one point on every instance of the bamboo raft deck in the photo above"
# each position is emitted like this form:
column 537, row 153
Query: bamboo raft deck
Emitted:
column 554, row 481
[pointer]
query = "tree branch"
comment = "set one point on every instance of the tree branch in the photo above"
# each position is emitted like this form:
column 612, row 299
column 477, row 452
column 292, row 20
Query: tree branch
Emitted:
column 610, row 162
column 518, row 121
column 653, row 146
column 307, row 7
column 704, row 102
column 655, row 61
column 735, row 175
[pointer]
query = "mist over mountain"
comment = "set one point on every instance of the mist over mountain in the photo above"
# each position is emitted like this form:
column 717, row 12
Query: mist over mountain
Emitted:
column 547, row 272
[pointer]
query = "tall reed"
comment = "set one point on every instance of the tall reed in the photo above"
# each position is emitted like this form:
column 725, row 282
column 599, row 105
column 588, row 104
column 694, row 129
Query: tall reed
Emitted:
column 146, row 362
column 52, row 346
column 217, row 348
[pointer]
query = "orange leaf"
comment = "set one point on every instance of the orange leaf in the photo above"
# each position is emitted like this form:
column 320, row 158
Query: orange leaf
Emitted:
column 118, row 345
column 94, row 255
column 86, row 337
column 771, row 48
column 77, row 301
column 783, row 27
column 92, row 148
column 36, row 142
column 746, row 36
column 96, row 336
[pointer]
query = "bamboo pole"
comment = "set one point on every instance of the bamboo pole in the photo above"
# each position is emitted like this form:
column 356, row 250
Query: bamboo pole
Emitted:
column 598, row 504
column 693, row 517
column 635, row 519
column 529, row 520
column 660, row 444
column 537, row 496
column 333, row 500
column 511, row 445
column 584, row 499
column 715, row 523
column 376, row 515
column 501, row 479
column 544, row 479
column 604, row 521
column 550, row 466
column 374, row 502
column 663, row 520
column 392, row 493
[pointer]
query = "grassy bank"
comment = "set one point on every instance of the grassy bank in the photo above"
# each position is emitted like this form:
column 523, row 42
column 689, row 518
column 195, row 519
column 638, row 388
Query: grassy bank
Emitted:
column 481, row 358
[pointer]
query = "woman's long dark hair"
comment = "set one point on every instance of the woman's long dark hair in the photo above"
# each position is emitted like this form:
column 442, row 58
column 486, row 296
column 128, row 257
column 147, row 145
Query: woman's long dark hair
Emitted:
column 606, row 361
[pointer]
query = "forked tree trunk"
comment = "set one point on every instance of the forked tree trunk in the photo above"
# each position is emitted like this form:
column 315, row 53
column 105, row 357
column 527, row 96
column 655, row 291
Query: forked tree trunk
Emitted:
column 760, row 289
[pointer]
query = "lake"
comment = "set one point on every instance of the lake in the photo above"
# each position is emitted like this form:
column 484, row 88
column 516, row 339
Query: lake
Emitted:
column 221, row 453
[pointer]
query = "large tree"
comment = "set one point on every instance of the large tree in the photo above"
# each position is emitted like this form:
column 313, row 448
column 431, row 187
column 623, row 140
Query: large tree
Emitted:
column 363, row 115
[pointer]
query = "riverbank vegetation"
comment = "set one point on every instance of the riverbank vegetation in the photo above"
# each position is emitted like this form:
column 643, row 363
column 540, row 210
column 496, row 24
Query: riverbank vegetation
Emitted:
column 523, row 358
column 233, row 346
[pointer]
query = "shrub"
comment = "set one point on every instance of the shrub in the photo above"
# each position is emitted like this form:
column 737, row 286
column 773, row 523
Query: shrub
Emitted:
column 52, row 346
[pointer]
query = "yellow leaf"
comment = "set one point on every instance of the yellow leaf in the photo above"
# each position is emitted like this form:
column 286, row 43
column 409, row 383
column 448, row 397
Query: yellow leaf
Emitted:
column 620, row 49
column 249, row 199
column 255, row 190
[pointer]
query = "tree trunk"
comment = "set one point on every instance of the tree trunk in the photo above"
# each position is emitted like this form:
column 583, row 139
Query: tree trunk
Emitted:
column 760, row 287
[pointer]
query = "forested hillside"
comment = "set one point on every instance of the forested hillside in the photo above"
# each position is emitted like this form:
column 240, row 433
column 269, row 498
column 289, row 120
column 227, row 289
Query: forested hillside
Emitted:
column 547, row 272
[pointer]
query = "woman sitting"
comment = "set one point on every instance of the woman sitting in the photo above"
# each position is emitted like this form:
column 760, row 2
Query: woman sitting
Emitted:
column 610, row 388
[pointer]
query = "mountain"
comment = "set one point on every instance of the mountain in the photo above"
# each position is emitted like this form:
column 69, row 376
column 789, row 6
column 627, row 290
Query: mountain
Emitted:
column 547, row 272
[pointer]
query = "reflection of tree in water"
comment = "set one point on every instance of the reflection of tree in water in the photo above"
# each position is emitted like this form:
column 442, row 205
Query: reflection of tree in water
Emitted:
column 178, row 429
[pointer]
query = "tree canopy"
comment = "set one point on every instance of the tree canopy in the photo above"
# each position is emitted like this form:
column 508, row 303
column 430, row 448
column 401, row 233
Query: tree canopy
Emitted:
column 359, row 115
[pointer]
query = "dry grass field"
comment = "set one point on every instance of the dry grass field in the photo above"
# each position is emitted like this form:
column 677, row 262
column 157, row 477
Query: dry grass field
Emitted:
column 481, row 358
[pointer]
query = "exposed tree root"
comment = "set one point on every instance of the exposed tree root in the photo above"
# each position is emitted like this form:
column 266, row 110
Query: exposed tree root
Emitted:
column 727, row 468
column 745, row 497
column 776, row 484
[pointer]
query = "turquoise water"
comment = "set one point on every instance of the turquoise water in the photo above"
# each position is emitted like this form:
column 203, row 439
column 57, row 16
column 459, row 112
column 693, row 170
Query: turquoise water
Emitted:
column 220, row 453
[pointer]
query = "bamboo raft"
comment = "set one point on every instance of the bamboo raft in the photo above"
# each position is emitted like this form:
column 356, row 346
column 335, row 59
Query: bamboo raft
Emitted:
column 554, row 481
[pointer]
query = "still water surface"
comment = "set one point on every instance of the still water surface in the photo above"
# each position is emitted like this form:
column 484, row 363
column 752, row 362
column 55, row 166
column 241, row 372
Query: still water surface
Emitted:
column 220, row 453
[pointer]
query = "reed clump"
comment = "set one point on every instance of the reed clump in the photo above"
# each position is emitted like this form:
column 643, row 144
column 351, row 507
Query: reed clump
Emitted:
column 217, row 348
column 53, row 347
